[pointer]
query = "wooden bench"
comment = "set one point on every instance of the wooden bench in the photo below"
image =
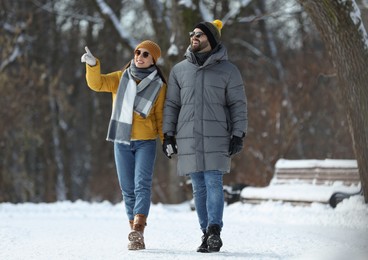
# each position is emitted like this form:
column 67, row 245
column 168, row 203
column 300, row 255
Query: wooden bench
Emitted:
column 308, row 181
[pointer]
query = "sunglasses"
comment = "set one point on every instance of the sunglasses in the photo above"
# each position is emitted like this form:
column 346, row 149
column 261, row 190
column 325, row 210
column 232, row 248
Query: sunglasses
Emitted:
column 196, row 34
column 144, row 54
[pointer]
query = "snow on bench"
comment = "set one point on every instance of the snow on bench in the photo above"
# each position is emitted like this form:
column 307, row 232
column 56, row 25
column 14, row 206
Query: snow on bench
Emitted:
column 307, row 181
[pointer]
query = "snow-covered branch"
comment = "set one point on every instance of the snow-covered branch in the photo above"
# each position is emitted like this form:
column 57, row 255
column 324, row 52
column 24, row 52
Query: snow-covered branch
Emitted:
column 46, row 7
column 357, row 19
column 106, row 10
column 205, row 12
column 12, row 57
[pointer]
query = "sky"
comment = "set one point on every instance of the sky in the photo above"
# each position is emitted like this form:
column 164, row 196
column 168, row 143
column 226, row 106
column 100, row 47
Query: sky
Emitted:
column 270, row 230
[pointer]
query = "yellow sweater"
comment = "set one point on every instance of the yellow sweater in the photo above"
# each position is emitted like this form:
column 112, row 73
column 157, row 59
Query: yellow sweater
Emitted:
column 142, row 128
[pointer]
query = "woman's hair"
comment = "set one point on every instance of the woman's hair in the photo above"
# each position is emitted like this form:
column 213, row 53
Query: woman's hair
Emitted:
column 161, row 74
column 158, row 71
column 126, row 66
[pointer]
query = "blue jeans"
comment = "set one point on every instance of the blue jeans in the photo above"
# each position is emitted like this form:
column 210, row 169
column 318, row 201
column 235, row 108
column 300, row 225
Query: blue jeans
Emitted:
column 135, row 164
column 208, row 197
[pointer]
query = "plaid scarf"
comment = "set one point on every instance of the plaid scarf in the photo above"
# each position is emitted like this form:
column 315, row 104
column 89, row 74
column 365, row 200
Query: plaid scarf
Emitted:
column 132, row 98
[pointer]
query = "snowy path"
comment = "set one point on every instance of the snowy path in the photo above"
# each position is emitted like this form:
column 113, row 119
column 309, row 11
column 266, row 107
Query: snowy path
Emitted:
column 82, row 230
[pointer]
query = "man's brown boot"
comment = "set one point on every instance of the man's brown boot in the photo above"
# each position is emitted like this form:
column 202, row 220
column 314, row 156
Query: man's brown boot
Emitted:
column 136, row 235
column 131, row 222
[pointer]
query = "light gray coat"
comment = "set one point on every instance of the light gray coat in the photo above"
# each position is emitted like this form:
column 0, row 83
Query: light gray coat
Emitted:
column 205, row 106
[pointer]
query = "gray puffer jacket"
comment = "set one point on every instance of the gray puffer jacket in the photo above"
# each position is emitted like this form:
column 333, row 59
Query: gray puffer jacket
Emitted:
column 205, row 106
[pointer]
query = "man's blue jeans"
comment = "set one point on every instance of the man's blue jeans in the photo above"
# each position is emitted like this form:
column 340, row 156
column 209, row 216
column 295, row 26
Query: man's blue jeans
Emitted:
column 135, row 164
column 208, row 197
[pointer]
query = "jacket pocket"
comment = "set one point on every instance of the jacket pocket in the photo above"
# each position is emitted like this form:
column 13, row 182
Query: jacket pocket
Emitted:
column 228, row 120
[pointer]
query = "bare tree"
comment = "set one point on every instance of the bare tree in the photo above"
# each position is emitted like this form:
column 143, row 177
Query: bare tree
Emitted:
column 343, row 32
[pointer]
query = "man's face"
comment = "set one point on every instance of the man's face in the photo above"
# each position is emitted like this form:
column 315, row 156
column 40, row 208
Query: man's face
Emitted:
column 199, row 41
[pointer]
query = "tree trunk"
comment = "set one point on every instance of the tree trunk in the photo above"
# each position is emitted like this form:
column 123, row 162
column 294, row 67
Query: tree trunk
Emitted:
column 343, row 33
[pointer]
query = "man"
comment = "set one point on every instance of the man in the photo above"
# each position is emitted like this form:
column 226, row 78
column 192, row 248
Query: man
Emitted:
column 205, row 121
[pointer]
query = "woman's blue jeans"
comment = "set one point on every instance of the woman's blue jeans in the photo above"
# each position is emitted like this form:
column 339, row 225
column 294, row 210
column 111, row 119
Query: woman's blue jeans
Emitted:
column 208, row 197
column 135, row 164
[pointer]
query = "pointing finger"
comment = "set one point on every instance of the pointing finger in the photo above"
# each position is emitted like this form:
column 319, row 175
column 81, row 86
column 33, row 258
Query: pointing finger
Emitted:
column 87, row 50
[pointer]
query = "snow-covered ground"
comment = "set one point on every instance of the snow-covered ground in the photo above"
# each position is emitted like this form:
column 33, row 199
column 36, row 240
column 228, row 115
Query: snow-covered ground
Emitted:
column 82, row 230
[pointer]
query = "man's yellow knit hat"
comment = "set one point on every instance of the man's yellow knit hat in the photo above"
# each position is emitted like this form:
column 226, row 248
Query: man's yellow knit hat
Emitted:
column 152, row 48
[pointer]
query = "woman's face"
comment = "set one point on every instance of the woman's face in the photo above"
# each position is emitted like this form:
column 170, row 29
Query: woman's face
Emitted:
column 142, row 58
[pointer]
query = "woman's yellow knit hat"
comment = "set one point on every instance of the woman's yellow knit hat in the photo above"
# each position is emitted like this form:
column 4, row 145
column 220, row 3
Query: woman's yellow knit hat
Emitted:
column 152, row 48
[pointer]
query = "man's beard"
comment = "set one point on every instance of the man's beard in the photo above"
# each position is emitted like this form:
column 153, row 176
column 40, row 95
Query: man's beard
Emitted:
column 199, row 47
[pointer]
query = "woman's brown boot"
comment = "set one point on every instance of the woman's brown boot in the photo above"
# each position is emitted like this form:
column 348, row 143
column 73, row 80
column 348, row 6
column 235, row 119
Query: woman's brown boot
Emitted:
column 136, row 235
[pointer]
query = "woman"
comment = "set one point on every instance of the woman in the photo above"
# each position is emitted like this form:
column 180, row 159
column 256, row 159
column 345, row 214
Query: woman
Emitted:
column 138, row 93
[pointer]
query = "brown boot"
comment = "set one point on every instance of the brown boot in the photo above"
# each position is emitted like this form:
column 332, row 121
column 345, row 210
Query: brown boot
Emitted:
column 136, row 235
column 131, row 224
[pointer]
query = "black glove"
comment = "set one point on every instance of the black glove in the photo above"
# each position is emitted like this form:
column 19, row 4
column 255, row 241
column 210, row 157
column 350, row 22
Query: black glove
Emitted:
column 236, row 145
column 169, row 146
